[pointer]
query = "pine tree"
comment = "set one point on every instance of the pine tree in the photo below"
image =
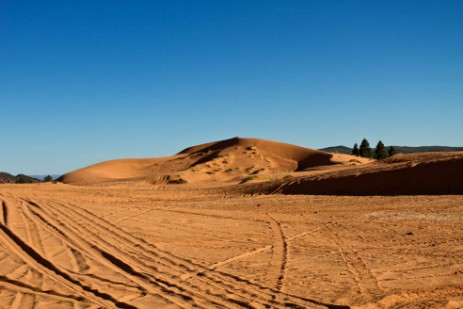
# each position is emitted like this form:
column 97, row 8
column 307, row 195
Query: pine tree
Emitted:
column 380, row 151
column 392, row 151
column 47, row 178
column 365, row 150
column 355, row 150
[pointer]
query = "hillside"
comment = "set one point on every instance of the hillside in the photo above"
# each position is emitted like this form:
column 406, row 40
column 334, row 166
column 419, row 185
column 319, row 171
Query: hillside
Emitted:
column 403, row 174
column 20, row 178
column 235, row 159
column 286, row 169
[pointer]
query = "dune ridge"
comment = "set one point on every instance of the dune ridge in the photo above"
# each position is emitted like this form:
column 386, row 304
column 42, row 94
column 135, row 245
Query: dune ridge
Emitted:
column 408, row 175
column 227, row 160
column 265, row 167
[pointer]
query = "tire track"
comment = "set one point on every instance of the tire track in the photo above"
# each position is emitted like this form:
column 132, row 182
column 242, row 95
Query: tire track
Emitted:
column 233, row 291
column 206, row 215
column 409, row 299
column 195, row 291
column 33, row 239
column 66, row 233
column 227, row 281
column 248, row 254
column 129, row 265
column 279, row 260
column 363, row 277
column 34, row 259
column 268, row 297
column 17, row 302
column 175, row 265
column 20, row 287
column 4, row 213
column 33, row 232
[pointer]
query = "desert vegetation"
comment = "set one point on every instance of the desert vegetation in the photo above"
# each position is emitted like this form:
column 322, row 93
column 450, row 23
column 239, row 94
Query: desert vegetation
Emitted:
column 380, row 151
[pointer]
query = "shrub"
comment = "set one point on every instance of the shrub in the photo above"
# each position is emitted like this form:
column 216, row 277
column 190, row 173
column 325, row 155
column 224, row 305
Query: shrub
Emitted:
column 47, row 178
column 246, row 179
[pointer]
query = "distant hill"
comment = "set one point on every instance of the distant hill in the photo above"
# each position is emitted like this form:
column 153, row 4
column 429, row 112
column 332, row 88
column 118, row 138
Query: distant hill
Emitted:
column 20, row 178
column 407, row 149
column 7, row 178
column 338, row 149
column 400, row 149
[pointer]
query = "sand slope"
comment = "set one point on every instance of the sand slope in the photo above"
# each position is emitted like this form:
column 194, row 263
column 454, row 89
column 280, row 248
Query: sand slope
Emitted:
column 228, row 160
column 285, row 169
column 432, row 174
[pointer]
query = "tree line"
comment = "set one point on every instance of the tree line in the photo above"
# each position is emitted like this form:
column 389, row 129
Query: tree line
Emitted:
column 380, row 151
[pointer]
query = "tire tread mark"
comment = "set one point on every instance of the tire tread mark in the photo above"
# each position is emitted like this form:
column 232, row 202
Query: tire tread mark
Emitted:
column 25, row 250
column 173, row 292
column 4, row 213
column 218, row 275
column 15, row 285
column 111, row 261
column 139, row 244
column 364, row 279
column 280, row 252
column 229, row 282
column 257, row 294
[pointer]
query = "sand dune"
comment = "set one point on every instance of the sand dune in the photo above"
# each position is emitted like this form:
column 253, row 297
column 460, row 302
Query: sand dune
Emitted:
column 285, row 169
column 425, row 174
column 424, row 156
column 228, row 160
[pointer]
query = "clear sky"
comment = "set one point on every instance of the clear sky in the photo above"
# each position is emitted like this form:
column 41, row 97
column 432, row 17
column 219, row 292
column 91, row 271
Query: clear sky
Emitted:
column 87, row 81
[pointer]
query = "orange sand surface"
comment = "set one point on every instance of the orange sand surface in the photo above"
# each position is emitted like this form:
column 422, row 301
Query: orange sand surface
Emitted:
column 241, row 223
column 65, row 246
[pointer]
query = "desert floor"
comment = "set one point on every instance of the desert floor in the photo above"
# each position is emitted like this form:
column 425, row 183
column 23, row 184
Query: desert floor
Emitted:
column 64, row 246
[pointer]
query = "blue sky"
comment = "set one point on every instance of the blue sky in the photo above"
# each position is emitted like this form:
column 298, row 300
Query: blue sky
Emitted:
column 87, row 81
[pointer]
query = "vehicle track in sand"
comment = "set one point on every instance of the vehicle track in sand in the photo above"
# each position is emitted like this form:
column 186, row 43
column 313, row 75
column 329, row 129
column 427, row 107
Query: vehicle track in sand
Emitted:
column 98, row 249
column 33, row 259
column 365, row 281
column 277, row 269
column 125, row 249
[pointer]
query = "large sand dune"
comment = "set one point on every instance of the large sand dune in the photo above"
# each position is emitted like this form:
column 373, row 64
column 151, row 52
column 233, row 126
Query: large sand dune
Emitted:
column 285, row 169
column 228, row 160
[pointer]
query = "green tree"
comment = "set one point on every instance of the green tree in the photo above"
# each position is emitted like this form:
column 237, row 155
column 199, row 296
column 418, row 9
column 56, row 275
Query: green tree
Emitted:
column 355, row 150
column 392, row 151
column 380, row 151
column 21, row 178
column 365, row 150
column 47, row 178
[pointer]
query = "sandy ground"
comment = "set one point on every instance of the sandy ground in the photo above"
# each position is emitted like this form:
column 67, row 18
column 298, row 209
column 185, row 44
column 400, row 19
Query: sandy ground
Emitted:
column 126, row 246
